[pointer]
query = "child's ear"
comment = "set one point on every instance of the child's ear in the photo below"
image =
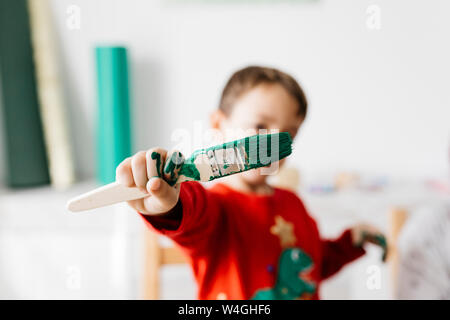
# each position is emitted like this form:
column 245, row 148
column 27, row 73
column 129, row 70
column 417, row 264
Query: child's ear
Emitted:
column 216, row 119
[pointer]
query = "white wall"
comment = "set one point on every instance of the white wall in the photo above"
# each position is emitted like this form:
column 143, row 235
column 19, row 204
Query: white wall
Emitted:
column 379, row 98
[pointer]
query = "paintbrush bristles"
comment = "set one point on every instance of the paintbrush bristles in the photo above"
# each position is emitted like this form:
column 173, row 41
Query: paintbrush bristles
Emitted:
column 244, row 154
column 266, row 149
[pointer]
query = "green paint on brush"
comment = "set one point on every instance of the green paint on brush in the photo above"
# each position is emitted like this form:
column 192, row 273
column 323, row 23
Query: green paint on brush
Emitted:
column 263, row 150
column 253, row 152
column 189, row 170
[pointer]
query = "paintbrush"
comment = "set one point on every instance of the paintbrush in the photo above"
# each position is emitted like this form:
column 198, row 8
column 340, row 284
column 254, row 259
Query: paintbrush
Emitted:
column 203, row 165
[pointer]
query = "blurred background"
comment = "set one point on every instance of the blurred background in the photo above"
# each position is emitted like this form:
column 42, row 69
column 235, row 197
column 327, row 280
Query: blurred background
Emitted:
column 375, row 146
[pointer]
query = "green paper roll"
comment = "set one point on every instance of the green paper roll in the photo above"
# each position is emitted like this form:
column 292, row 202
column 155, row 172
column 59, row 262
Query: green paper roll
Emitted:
column 113, row 121
column 25, row 149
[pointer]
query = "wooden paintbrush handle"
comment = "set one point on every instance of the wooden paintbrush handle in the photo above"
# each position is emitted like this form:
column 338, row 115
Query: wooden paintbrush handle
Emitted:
column 111, row 194
column 106, row 195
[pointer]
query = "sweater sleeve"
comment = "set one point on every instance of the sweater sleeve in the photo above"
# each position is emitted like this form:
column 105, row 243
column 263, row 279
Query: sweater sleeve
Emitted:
column 337, row 253
column 192, row 222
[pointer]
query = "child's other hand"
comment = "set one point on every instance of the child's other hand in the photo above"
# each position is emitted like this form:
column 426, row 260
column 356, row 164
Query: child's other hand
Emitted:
column 147, row 171
column 363, row 233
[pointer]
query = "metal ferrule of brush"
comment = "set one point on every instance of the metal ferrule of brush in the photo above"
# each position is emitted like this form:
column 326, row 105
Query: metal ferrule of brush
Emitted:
column 213, row 163
column 227, row 161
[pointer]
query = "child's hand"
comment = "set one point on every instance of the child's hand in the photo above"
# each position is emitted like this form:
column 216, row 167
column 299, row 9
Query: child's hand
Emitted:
column 150, row 172
column 365, row 233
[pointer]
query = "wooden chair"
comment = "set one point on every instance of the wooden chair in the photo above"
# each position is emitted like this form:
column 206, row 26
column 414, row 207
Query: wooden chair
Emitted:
column 156, row 256
column 397, row 219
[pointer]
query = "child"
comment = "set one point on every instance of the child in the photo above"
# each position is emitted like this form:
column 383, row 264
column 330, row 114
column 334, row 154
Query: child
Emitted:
column 245, row 239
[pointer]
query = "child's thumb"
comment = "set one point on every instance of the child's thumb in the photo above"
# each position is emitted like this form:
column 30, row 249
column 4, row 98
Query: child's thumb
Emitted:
column 160, row 189
column 157, row 186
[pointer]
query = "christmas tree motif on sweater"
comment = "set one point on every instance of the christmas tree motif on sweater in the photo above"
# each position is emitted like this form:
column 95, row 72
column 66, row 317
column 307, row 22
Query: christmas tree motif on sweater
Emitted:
column 292, row 264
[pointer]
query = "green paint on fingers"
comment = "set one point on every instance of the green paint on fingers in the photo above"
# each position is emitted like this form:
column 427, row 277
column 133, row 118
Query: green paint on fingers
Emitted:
column 378, row 239
column 381, row 240
column 173, row 167
column 156, row 156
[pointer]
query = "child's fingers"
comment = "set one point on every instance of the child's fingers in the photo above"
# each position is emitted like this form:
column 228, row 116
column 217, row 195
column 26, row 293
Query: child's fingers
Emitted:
column 160, row 189
column 145, row 170
column 357, row 236
column 124, row 175
column 139, row 169
column 174, row 162
column 163, row 196
column 155, row 160
column 363, row 233
column 385, row 253
column 378, row 239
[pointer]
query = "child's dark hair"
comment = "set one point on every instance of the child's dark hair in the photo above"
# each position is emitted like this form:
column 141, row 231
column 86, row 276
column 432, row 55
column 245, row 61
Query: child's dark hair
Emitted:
column 245, row 79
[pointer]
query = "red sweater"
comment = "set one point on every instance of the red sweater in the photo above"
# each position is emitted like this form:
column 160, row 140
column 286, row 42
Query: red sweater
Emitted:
column 235, row 243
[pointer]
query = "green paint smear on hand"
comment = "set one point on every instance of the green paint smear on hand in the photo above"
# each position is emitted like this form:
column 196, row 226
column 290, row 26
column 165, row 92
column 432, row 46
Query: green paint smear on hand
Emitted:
column 173, row 166
column 379, row 239
column 176, row 166
column 156, row 156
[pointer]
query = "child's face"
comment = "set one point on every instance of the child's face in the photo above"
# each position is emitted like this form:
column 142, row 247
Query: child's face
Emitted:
column 267, row 106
